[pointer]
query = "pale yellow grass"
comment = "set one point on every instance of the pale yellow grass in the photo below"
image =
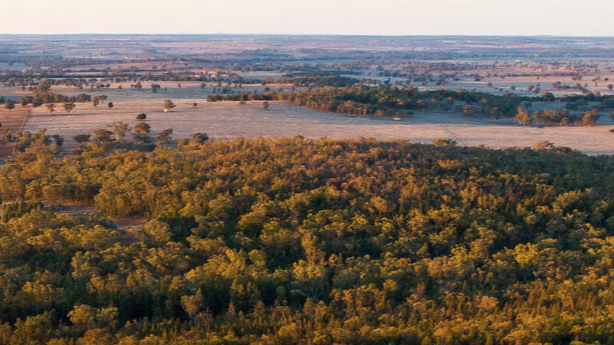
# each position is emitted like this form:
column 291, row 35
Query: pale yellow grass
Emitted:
column 229, row 120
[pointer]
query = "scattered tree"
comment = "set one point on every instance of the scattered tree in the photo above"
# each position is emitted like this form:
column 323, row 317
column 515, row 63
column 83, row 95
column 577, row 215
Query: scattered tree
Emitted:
column 523, row 117
column 589, row 118
column 164, row 137
column 9, row 104
column 81, row 138
column 168, row 105
column 69, row 106
column 50, row 107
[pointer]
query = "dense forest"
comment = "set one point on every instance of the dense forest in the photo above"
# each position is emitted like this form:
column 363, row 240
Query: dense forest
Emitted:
column 294, row 241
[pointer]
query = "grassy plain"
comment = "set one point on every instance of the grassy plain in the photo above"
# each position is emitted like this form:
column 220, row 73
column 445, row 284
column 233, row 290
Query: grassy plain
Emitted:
column 227, row 120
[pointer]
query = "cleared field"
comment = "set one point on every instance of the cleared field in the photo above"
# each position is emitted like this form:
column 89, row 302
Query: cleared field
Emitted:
column 230, row 120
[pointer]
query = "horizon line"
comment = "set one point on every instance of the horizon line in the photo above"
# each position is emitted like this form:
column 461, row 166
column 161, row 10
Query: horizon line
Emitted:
column 304, row 34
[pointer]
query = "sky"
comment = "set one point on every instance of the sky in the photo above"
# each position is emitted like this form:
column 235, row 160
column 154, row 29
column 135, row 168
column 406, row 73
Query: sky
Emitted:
column 340, row 17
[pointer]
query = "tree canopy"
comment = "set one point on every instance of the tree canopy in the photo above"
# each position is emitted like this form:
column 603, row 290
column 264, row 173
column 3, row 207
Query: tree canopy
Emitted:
column 294, row 241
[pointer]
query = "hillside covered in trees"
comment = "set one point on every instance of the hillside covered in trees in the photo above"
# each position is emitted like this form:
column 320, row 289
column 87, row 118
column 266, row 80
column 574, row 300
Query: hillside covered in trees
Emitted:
column 293, row 241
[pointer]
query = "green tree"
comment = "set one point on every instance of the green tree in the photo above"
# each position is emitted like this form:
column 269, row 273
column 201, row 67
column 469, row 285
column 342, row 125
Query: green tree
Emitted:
column 468, row 110
column 81, row 138
column 9, row 104
column 495, row 113
column 590, row 118
column 523, row 117
column 543, row 145
column 68, row 106
column 164, row 137
column 50, row 107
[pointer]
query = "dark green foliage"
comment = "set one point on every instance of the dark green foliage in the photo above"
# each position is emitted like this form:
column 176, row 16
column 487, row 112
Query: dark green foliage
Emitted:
column 42, row 98
column 399, row 101
column 388, row 100
column 314, row 79
column 18, row 209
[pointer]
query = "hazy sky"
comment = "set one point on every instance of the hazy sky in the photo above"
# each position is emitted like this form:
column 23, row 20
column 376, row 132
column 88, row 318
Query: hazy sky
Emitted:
column 377, row 17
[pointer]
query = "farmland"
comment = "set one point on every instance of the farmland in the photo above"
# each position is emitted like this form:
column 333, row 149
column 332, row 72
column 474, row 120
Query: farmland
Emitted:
column 188, row 69
column 227, row 120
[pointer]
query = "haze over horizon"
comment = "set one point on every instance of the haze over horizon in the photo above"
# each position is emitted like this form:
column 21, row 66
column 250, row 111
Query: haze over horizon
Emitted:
column 318, row 17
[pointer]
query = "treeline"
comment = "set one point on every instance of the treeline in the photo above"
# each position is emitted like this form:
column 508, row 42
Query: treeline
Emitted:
column 40, row 99
column 41, row 95
column 116, row 136
column 396, row 100
column 103, row 80
column 243, row 97
column 386, row 100
column 314, row 79
column 560, row 117
column 293, row 241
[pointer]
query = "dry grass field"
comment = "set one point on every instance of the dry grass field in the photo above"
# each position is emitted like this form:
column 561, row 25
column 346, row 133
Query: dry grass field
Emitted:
column 229, row 120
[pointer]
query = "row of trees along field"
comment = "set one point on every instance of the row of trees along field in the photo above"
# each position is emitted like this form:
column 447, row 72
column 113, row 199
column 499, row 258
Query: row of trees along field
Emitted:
column 389, row 100
column 313, row 79
column 42, row 95
column 104, row 80
column 395, row 100
column 28, row 81
column 293, row 241
column 557, row 117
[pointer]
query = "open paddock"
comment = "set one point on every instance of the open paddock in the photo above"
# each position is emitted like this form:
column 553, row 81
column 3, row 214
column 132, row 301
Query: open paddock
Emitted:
column 227, row 120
